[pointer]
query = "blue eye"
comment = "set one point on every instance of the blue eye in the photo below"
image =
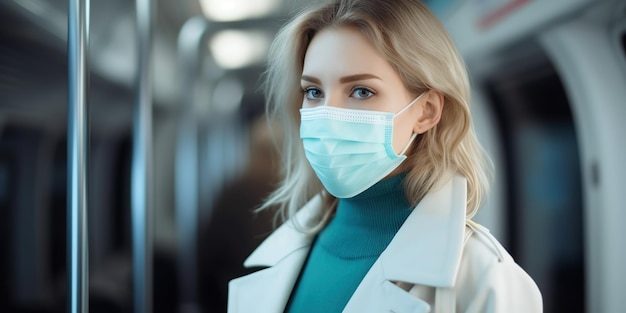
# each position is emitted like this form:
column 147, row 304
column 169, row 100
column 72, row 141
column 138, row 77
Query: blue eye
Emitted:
column 362, row 93
column 313, row 93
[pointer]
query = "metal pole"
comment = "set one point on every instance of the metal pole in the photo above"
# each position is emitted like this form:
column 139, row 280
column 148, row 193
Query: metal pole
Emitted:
column 187, row 166
column 141, row 180
column 78, row 144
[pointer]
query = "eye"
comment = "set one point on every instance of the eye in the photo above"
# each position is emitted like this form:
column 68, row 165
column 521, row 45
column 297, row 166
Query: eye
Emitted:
column 313, row 93
column 362, row 93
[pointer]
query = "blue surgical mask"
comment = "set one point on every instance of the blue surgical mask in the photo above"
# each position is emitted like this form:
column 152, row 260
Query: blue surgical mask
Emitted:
column 350, row 150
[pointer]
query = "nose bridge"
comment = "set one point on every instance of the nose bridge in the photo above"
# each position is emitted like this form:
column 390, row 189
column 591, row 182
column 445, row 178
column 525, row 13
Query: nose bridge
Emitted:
column 334, row 98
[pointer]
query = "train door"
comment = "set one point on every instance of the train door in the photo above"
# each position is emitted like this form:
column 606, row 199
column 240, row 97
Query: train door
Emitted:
column 589, row 53
column 543, row 184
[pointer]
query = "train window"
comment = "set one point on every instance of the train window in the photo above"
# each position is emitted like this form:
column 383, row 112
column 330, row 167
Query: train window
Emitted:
column 542, row 165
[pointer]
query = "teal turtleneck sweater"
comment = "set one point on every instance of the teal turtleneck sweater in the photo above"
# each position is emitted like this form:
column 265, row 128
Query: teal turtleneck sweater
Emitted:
column 347, row 248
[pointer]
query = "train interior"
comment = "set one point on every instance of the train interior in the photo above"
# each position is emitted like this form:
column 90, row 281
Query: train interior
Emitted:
column 548, row 83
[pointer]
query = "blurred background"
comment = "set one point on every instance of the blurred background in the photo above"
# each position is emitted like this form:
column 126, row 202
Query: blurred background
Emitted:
column 549, row 90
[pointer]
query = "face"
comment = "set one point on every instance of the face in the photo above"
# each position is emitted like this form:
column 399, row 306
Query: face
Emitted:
column 343, row 69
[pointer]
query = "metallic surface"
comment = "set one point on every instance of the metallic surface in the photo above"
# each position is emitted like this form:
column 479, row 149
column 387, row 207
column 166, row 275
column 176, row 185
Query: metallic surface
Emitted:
column 142, row 171
column 78, row 145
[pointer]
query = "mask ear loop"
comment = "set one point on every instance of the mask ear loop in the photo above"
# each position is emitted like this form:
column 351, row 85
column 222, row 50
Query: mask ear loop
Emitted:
column 414, row 135
column 408, row 144
column 409, row 105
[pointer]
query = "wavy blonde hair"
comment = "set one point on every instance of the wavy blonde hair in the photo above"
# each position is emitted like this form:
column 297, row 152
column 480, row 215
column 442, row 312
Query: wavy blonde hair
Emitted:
column 415, row 43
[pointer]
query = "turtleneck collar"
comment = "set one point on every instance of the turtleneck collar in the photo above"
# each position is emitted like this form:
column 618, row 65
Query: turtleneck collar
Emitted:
column 364, row 225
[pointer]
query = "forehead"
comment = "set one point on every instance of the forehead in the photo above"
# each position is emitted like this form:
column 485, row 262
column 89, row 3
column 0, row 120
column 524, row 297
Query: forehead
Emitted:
column 344, row 51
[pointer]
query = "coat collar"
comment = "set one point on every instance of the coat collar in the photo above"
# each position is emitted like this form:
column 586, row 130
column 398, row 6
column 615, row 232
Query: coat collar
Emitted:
column 286, row 239
column 439, row 217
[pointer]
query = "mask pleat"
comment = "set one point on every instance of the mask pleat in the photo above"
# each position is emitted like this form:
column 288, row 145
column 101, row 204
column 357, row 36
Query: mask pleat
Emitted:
column 323, row 148
column 340, row 162
column 358, row 132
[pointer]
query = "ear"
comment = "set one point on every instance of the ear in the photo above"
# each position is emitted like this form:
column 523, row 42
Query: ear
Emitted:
column 430, row 111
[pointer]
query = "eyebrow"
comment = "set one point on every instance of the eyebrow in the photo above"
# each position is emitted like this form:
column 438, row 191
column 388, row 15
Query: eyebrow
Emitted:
column 311, row 79
column 351, row 78
column 343, row 80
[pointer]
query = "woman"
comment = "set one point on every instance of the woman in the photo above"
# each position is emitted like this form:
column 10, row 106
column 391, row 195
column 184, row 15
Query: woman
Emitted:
column 382, row 173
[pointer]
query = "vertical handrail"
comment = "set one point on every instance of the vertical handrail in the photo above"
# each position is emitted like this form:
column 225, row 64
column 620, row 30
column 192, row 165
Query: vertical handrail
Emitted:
column 77, row 148
column 187, row 179
column 142, row 173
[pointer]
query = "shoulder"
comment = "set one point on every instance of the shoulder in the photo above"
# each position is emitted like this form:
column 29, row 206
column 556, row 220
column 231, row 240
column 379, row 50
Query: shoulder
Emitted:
column 489, row 279
column 481, row 249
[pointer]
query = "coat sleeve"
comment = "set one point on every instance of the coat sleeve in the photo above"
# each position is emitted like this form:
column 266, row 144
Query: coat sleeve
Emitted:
column 505, row 287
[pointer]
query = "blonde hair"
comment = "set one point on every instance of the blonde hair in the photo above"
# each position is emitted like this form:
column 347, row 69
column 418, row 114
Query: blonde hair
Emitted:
column 415, row 43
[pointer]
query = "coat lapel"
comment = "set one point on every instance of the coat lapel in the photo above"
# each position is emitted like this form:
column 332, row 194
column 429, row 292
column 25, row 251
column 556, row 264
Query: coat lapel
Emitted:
column 427, row 248
column 284, row 253
column 378, row 294
column 267, row 290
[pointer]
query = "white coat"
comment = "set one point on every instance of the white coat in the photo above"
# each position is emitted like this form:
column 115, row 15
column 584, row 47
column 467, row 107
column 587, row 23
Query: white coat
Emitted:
column 437, row 262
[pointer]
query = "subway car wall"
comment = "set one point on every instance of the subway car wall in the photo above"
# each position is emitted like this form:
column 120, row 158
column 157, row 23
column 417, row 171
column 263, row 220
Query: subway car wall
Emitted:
column 548, row 83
